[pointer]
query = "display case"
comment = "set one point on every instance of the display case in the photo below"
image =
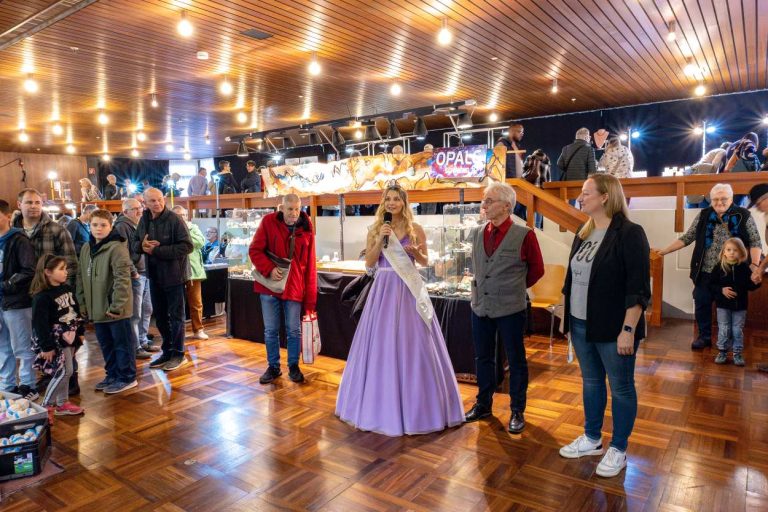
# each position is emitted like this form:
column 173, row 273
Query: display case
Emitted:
column 450, row 251
column 239, row 227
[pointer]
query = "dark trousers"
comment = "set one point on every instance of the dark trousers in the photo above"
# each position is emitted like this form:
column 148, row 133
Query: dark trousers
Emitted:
column 511, row 329
column 521, row 211
column 702, row 301
column 118, row 348
column 168, row 305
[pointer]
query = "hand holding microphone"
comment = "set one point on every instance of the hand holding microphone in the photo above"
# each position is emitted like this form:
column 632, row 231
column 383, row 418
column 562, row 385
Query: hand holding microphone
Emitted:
column 388, row 223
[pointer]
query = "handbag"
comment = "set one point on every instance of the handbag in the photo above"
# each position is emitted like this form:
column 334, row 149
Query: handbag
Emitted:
column 531, row 170
column 310, row 338
column 282, row 263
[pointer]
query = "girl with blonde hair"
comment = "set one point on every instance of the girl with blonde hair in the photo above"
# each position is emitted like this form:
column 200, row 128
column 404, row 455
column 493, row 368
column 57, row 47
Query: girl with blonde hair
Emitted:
column 88, row 191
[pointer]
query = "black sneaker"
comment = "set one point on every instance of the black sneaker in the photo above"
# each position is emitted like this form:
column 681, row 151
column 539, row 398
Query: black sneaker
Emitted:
column 174, row 363
column 700, row 343
column 160, row 361
column 29, row 393
column 295, row 374
column 271, row 374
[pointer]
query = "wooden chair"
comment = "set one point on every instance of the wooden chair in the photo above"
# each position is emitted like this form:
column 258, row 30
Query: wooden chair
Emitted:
column 547, row 294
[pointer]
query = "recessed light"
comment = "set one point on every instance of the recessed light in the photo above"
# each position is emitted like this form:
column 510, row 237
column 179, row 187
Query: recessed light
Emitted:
column 494, row 58
column 74, row 48
column 573, row 99
column 202, row 55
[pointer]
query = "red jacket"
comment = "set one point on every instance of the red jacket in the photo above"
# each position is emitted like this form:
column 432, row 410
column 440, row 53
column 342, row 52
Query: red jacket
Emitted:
column 273, row 234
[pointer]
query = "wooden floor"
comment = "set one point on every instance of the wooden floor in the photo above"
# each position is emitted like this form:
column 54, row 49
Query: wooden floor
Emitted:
column 209, row 437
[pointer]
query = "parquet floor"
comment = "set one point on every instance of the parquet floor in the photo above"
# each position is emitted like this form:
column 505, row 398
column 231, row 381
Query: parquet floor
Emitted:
column 209, row 437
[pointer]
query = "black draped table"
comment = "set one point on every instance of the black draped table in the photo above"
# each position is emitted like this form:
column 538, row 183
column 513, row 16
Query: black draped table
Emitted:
column 213, row 289
column 337, row 327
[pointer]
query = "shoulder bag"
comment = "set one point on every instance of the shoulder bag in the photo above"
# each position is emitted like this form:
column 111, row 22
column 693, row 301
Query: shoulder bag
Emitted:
column 282, row 263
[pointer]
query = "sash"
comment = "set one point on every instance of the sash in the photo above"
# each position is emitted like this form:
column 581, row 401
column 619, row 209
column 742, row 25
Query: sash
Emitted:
column 406, row 270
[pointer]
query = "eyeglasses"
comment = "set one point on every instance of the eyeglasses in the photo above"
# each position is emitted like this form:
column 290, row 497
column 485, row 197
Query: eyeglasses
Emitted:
column 720, row 200
column 488, row 201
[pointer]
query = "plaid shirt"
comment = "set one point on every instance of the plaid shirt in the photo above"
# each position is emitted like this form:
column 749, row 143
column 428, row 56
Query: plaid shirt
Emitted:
column 50, row 238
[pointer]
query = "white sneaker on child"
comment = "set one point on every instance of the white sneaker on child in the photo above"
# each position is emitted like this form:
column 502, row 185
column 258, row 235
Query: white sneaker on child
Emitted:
column 613, row 463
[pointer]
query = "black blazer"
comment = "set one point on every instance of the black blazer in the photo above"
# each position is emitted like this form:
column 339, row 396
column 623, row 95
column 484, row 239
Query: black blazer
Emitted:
column 620, row 279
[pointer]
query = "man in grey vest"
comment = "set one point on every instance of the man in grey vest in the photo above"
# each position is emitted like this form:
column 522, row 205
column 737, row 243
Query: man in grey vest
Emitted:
column 506, row 260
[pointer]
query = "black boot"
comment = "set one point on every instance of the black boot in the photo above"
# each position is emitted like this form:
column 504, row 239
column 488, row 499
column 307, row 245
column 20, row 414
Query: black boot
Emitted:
column 74, row 386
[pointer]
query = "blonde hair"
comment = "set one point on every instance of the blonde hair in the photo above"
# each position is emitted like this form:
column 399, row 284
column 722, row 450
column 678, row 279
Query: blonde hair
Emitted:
column 373, row 232
column 86, row 183
column 616, row 203
column 743, row 255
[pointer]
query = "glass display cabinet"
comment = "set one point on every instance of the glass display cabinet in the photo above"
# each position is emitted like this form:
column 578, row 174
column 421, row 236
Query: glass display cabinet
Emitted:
column 240, row 226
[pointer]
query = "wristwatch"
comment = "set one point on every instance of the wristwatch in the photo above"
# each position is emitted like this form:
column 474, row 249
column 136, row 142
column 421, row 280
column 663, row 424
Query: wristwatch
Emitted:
column 628, row 328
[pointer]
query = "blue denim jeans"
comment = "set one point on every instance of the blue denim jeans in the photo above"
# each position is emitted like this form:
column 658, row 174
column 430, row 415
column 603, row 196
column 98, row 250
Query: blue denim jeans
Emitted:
column 142, row 309
column 270, row 310
column 118, row 349
column 596, row 361
column 16, row 343
column 730, row 330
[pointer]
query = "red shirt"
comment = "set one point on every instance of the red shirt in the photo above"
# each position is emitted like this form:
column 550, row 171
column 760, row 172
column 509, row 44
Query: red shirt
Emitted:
column 529, row 251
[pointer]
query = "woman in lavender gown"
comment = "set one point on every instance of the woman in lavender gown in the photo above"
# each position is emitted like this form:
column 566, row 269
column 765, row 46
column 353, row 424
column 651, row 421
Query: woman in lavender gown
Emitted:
column 398, row 378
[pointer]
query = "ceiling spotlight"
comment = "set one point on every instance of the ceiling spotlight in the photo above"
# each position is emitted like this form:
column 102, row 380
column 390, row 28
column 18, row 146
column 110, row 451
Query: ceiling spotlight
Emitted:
column 154, row 102
column 169, row 147
column 242, row 117
column 464, row 121
column 711, row 129
column 690, row 69
column 105, row 158
column 635, row 134
column 242, row 151
column 202, row 55
column 337, row 138
column 698, row 130
column 70, row 149
column 420, row 130
column 554, row 86
column 358, row 134
column 57, row 129
column 30, row 84
column 103, row 118
column 700, row 90
column 395, row 89
column 671, row 31
column 187, row 156
column 23, row 137
column 52, row 175
column 350, row 150
column 225, row 87
column 184, row 27
column 393, row 132
column 141, row 136
column 765, row 119
column 135, row 153
column 493, row 117
column 623, row 137
column 444, row 36
column 371, row 132
column 314, row 66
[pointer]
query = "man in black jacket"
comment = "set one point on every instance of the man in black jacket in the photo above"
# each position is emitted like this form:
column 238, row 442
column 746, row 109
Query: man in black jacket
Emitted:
column 252, row 181
column 78, row 228
column 577, row 160
column 17, row 268
column 163, row 237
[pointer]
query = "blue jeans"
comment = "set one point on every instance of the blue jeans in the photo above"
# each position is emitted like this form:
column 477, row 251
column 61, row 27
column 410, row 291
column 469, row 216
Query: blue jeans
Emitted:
column 270, row 310
column 730, row 330
column 168, row 304
column 118, row 349
column 16, row 343
column 511, row 329
column 142, row 310
column 596, row 360
column 521, row 211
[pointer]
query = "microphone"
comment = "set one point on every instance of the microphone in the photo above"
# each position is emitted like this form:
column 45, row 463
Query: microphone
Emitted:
column 387, row 221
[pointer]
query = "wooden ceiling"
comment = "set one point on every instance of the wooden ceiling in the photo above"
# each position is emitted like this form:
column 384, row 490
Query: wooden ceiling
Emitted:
column 503, row 54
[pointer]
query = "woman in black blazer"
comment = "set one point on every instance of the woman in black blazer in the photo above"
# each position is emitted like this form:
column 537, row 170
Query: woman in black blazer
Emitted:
column 606, row 290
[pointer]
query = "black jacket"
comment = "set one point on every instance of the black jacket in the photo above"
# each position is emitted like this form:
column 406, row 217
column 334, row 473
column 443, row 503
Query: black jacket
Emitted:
column 168, row 265
column 79, row 233
column 251, row 182
column 227, row 183
column 620, row 279
column 700, row 246
column 18, row 264
column 111, row 192
column 54, row 312
column 579, row 158
column 127, row 230
column 739, row 277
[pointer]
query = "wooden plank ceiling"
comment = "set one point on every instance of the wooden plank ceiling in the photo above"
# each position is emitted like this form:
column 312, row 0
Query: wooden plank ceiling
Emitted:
column 503, row 54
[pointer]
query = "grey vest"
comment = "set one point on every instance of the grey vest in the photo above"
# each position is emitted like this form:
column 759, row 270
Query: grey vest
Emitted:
column 498, row 288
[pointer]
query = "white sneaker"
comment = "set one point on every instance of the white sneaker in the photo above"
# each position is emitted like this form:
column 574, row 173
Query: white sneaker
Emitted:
column 201, row 335
column 613, row 463
column 581, row 447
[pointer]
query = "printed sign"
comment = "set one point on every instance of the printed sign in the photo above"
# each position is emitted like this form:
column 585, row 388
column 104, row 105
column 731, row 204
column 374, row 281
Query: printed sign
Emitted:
column 460, row 162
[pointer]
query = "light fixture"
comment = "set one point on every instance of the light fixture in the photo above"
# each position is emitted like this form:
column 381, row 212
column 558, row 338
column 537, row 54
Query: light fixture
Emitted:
column 207, row 139
column 30, row 84
column 225, row 87
column 765, row 120
column 554, row 86
column 337, row 138
column 700, row 90
column 242, row 151
column 466, row 136
column 711, row 129
column 493, row 117
column 202, row 55
column 135, row 153
column 169, row 147
column 242, row 117
column 671, row 31
column 187, row 156
column 184, row 27
column 371, row 132
column 464, row 121
column 392, row 131
column 358, row 134
column 444, row 36
column 690, row 69
column 623, row 137
column 70, row 149
column 103, row 118
column 141, row 136
column 52, row 175
column 395, row 89
column 314, row 66
column 105, row 157
column 635, row 134
column 420, row 130
column 132, row 188
column 698, row 130
column 350, row 150
column 57, row 129
column 23, row 137
column 154, row 102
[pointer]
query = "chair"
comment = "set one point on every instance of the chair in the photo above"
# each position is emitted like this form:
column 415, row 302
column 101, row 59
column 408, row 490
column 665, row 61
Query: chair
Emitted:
column 547, row 293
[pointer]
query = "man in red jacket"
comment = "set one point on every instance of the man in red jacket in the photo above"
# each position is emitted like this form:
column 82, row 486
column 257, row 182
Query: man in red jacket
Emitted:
column 275, row 235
